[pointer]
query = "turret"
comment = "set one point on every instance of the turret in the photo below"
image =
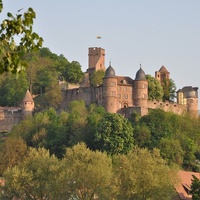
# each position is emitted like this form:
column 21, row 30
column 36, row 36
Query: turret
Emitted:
column 27, row 104
column 110, row 90
column 140, row 91
column 191, row 95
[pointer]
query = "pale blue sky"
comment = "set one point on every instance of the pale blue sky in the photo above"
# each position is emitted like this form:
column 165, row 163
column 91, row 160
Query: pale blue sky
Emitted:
column 153, row 32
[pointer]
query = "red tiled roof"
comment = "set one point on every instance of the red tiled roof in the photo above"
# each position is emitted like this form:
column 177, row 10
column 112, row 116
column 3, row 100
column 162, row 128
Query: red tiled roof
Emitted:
column 124, row 80
column 185, row 182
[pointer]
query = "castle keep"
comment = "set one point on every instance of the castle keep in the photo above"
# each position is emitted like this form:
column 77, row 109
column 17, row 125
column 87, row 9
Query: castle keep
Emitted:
column 122, row 94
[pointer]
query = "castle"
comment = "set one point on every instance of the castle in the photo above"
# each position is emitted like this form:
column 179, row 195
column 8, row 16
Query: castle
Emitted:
column 117, row 94
column 9, row 116
column 124, row 95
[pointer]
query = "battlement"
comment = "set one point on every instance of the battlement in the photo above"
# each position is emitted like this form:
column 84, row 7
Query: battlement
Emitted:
column 96, row 59
column 167, row 106
column 9, row 116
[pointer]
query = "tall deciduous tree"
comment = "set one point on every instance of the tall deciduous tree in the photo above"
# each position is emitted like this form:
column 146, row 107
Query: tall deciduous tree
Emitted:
column 12, row 90
column 114, row 134
column 86, row 174
column 169, row 89
column 12, row 152
column 10, row 52
column 73, row 72
column 35, row 178
column 143, row 175
column 96, row 77
column 155, row 90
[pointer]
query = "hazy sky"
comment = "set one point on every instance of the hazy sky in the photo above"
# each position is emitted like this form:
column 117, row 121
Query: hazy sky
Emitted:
column 150, row 32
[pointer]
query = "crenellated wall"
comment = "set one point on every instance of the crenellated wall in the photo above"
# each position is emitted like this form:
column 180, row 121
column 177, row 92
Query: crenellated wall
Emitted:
column 167, row 106
column 9, row 116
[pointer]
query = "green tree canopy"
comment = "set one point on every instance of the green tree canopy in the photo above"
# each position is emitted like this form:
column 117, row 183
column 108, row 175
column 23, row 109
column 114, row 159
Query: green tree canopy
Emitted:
column 87, row 173
column 12, row 152
column 155, row 90
column 143, row 175
column 35, row 178
column 169, row 89
column 73, row 72
column 96, row 77
column 20, row 25
column 12, row 89
column 114, row 134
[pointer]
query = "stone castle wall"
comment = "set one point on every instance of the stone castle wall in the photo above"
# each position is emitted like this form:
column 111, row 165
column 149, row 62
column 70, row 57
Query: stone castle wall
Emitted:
column 9, row 116
column 167, row 106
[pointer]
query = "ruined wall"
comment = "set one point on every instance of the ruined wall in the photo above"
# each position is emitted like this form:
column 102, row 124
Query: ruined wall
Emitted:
column 9, row 116
column 126, row 112
column 87, row 94
column 167, row 106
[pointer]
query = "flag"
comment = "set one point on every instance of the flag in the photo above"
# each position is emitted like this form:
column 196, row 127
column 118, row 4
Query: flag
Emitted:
column 98, row 37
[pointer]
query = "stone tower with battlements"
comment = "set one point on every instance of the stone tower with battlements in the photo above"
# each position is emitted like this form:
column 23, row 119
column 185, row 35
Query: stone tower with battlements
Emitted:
column 96, row 59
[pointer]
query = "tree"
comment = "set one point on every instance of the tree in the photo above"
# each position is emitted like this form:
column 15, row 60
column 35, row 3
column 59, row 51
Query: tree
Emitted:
column 53, row 95
column 10, row 51
column 158, row 122
column 143, row 175
column 35, row 178
column 95, row 114
column 12, row 152
column 46, row 77
column 86, row 173
column 171, row 151
column 195, row 188
column 169, row 89
column 12, row 89
column 114, row 134
column 155, row 90
column 76, row 122
column 96, row 77
column 73, row 73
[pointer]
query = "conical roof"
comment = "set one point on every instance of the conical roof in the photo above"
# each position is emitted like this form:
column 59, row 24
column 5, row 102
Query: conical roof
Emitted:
column 163, row 69
column 28, row 97
column 140, row 75
column 110, row 72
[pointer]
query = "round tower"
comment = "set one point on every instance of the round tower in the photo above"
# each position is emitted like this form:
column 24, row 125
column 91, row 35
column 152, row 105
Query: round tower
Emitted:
column 140, row 91
column 180, row 97
column 192, row 102
column 27, row 104
column 110, row 90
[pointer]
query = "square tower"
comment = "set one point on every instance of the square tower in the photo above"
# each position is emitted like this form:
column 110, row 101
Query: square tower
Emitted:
column 96, row 59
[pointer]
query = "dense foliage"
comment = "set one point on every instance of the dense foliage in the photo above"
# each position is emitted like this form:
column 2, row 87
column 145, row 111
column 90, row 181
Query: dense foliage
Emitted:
column 96, row 77
column 20, row 25
column 195, row 188
column 44, row 76
column 155, row 90
column 177, row 137
column 84, row 174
